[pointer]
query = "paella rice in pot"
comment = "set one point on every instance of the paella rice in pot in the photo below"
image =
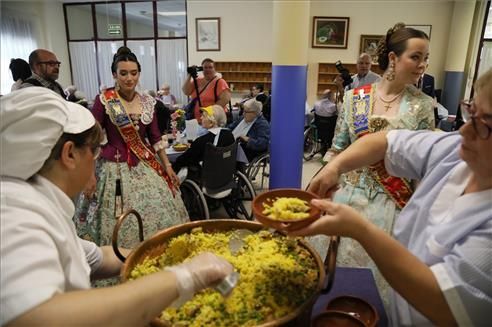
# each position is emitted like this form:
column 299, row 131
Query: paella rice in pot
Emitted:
column 277, row 275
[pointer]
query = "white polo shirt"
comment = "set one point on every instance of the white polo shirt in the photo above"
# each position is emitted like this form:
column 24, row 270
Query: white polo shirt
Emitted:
column 449, row 231
column 41, row 254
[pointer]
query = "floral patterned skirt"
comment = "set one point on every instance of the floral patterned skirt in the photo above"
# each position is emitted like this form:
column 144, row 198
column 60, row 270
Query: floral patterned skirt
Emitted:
column 142, row 189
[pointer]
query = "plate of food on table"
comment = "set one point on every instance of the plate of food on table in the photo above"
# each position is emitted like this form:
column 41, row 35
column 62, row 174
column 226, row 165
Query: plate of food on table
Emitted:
column 180, row 147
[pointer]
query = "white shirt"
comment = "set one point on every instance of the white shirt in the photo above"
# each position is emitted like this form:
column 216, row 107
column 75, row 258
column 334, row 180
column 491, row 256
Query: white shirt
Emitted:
column 41, row 254
column 358, row 81
column 325, row 108
column 242, row 128
column 449, row 231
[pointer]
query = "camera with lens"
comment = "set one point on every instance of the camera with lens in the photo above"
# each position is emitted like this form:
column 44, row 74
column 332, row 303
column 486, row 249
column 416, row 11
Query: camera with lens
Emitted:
column 344, row 73
column 193, row 70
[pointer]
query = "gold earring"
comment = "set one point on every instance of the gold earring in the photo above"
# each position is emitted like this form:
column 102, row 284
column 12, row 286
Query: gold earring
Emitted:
column 390, row 74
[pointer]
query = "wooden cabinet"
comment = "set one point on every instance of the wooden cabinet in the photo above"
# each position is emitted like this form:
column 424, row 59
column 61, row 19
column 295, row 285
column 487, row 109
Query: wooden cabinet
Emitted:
column 241, row 76
column 327, row 73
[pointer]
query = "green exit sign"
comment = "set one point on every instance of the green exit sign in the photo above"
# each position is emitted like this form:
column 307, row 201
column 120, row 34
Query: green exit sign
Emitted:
column 114, row 29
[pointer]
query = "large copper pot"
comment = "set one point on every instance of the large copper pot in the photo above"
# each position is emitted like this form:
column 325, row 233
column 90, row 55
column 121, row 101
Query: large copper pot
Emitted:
column 156, row 245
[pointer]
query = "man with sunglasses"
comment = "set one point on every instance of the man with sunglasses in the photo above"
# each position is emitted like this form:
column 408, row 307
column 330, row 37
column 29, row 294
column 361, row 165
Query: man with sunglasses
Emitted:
column 45, row 69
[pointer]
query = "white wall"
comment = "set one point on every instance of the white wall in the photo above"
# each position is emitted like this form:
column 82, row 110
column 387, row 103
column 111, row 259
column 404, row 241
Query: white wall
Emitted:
column 47, row 18
column 376, row 17
column 245, row 33
column 246, row 29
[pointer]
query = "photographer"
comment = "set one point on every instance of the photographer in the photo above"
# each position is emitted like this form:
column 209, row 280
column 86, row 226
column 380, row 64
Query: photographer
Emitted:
column 363, row 77
column 211, row 88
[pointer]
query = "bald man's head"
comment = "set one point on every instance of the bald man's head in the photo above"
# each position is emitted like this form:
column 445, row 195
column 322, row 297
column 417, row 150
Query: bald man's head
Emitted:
column 45, row 64
column 363, row 64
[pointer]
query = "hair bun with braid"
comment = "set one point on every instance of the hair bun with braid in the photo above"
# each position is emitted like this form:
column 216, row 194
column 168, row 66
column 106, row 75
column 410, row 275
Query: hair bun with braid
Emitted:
column 124, row 54
column 396, row 41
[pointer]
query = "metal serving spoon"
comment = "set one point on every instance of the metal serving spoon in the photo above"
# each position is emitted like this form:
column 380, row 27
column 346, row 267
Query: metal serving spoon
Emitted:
column 226, row 285
column 236, row 243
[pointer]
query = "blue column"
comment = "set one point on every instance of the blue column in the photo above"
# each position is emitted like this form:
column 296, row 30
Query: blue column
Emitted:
column 289, row 75
column 287, row 125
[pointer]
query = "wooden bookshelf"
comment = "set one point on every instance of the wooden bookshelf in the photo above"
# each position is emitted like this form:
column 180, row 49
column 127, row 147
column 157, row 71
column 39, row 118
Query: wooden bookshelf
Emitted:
column 327, row 73
column 241, row 76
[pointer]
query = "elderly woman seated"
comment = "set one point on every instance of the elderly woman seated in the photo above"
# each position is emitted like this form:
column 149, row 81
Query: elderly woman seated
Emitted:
column 253, row 130
column 213, row 119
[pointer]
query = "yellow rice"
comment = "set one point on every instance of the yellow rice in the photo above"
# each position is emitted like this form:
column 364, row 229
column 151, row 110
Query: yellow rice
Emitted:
column 277, row 275
column 284, row 208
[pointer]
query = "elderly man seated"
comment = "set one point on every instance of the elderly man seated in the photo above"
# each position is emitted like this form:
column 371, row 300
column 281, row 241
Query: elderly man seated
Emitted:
column 253, row 130
column 325, row 119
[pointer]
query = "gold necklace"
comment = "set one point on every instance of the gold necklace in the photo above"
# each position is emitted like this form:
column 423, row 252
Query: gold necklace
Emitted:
column 387, row 105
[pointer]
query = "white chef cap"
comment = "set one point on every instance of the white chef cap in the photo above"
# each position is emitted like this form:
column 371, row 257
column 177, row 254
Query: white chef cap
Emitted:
column 31, row 122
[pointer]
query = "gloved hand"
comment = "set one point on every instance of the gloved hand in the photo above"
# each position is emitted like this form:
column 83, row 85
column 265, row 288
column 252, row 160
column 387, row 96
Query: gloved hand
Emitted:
column 198, row 273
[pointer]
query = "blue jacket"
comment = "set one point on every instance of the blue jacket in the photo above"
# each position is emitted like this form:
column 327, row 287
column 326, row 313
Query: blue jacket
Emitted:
column 259, row 134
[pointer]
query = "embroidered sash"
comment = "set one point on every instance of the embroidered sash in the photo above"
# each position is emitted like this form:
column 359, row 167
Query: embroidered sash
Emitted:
column 361, row 108
column 119, row 117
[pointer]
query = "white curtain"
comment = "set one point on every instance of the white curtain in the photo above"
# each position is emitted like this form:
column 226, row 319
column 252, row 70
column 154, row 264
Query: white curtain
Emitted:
column 105, row 53
column 17, row 41
column 172, row 63
column 145, row 52
column 485, row 58
column 84, row 71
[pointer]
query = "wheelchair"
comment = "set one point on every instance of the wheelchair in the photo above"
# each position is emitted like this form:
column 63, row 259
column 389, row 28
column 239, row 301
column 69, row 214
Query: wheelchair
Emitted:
column 318, row 136
column 258, row 171
column 221, row 182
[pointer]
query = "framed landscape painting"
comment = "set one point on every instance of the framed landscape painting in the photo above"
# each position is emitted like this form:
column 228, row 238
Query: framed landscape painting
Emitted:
column 330, row 32
column 369, row 45
column 208, row 34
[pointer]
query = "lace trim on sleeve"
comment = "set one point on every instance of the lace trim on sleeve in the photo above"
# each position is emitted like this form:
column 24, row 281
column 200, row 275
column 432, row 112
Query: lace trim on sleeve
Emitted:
column 148, row 104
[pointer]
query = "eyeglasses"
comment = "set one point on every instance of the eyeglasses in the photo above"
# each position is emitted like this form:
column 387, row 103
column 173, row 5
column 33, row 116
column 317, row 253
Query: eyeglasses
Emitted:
column 249, row 111
column 50, row 63
column 469, row 112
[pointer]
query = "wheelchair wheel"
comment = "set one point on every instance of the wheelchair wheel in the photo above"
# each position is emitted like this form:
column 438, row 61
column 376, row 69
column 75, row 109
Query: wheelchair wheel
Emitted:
column 238, row 203
column 311, row 145
column 258, row 172
column 194, row 200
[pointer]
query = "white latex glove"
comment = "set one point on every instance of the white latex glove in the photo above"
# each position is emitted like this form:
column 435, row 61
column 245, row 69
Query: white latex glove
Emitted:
column 198, row 273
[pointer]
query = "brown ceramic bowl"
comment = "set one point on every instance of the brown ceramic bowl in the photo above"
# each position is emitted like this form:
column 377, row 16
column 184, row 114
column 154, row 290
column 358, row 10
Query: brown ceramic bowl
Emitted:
column 355, row 306
column 270, row 197
column 180, row 147
column 336, row 319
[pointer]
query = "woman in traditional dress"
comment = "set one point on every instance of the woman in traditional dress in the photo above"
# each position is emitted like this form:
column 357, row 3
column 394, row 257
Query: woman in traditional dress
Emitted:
column 392, row 103
column 128, row 173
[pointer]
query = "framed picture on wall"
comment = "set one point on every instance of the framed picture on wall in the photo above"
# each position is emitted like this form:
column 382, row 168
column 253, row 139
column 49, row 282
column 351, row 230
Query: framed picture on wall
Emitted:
column 208, row 34
column 424, row 28
column 330, row 32
column 369, row 45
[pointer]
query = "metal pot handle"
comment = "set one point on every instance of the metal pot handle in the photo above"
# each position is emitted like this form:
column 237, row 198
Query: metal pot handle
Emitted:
column 330, row 263
column 116, row 231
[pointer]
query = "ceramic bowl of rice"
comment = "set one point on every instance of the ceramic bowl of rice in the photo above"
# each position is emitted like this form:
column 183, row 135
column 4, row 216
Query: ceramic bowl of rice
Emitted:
column 280, row 277
column 285, row 205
